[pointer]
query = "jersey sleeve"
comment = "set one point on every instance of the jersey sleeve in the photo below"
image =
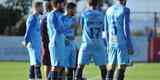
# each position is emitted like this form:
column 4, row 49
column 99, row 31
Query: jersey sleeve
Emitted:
column 50, row 25
column 29, row 25
column 127, row 27
column 106, row 30
column 82, row 21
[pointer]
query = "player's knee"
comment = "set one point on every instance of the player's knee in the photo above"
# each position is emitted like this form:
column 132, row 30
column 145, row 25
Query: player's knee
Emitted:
column 80, row 66
column 111, row 67
column 122, row 67
column 56, row 69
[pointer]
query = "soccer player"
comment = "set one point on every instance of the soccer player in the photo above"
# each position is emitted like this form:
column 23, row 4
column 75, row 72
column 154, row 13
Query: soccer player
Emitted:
column 92, row 46
column 70, row 23
column 57, row 40
column 119, row 43
column 32, row 40
column 45, row 39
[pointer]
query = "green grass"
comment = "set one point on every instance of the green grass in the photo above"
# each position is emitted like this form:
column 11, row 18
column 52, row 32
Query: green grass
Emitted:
column 140, row 71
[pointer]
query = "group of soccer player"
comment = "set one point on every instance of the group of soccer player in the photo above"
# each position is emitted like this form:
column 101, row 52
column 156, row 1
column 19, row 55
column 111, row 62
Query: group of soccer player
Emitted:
column 52, row 32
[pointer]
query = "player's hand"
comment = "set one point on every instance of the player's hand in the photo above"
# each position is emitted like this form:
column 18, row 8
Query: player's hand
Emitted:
column 130, row 51
column 24, row 44
column 27, row 45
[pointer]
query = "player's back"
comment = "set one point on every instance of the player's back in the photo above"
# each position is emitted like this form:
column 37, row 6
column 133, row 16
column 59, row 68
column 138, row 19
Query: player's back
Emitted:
column 92, row 22
column 115, row 19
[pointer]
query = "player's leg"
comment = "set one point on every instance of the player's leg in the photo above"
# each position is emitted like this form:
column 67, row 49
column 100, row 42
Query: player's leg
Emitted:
column 31, row 72
column 123, row 61
column 83, row 58
column 70, row 73
column 103, row 71
column 71, row 60
column 53, row 74
column 38, row 73
column 46, row 62
column 57, row 62
column 120, row 74
column 79, row 72
column 32, row 59
column 100, row 58
column 46, row 70
column 110, row 71
column 112, row 58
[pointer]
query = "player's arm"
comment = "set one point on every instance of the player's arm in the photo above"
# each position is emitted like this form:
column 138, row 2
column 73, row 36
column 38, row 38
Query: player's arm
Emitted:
column 50, row 25
column 127, row 31
column 106, row 35
column 29, row 25
column 81, row 25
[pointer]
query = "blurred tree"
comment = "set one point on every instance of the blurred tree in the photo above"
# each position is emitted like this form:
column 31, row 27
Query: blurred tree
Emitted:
column 12, row 14
column 109, row 2
column 22, row 5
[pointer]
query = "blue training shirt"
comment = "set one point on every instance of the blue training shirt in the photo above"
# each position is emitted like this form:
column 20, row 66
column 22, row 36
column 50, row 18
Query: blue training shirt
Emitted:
column 70, row 24
column 117, row 26
column 55, row 27
column 92, row 22
column 33, row 34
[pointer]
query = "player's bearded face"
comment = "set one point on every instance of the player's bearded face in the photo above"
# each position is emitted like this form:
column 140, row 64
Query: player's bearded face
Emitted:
column 72, row 12
column 60, row 6
column 38, row 9
column 123, row 2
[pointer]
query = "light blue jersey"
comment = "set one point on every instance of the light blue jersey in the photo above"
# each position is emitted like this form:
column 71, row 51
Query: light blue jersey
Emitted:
column 92, row 22
column 70, row 24
column 117, row 27
column 33, row 37
column 56, row 37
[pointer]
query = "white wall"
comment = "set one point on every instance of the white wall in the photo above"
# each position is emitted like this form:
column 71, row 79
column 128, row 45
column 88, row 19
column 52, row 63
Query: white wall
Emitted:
column 144, row 5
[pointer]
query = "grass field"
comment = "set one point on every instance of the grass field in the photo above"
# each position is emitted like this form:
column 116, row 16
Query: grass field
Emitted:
column 140, row 71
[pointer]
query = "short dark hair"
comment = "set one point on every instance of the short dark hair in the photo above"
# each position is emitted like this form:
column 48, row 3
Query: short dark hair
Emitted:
column 37, row 4
column 71, row 5
column 48, row 5
column 93, row 3
column 55, row 2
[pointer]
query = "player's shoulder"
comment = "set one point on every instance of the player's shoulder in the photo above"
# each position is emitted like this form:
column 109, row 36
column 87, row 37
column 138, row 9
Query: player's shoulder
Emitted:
column 31, row 17
column 126, row 9
column 110, row 9
column 93, row 13
column 85, row 13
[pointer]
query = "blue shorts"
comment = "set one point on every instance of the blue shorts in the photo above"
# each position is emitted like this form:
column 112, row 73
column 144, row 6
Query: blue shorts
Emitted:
column 118, row 56
column 34, row 56
column 71, row 54
column 57, row 53
column 92, row 51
